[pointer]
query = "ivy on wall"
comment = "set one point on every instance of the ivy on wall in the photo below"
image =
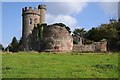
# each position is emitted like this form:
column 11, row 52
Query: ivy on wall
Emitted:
column 40, row 28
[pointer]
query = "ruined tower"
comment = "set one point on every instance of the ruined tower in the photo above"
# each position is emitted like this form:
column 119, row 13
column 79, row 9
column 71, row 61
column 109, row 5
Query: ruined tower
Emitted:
column 30, row 19
column 42, row 9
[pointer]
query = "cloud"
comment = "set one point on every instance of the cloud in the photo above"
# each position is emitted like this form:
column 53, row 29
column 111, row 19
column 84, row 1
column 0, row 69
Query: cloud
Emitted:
column 5, row 44
column 62, row 12
column 110, row 8
column 66, row 19
column 65, row 8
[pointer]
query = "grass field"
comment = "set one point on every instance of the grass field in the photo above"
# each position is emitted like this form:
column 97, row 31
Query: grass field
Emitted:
column 49, row 65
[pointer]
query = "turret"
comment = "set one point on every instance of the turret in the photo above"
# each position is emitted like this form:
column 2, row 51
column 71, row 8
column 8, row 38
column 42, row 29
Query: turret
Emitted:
column 42, row 10
column 30, row 17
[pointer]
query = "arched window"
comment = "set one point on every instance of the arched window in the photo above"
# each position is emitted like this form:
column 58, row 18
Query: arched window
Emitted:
column 30, row 21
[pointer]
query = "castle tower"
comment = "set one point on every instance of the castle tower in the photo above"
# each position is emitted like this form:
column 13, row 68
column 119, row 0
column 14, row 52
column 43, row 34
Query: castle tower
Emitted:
column 42, row 9
column 30, row 17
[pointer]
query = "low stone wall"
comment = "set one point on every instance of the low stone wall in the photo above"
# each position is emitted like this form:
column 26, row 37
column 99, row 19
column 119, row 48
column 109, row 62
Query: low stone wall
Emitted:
column 95, row 47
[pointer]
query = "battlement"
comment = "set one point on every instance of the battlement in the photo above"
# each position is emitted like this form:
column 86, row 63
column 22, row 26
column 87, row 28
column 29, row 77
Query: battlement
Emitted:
column 42, row 6
column 29, row 10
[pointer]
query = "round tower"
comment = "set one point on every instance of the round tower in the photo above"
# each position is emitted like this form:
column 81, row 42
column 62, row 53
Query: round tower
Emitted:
column 30, row 17
column 57, row 39
column 42, row 9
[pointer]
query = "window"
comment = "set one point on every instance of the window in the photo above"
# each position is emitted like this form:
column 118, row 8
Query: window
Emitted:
column 30, row 21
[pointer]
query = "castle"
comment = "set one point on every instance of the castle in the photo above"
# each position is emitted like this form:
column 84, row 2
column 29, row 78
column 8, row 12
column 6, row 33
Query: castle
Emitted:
column 43, row 37
column 38, row 36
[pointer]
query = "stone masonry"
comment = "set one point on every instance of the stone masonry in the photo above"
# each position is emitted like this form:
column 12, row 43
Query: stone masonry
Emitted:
column 30, row 18
column 53, row 38
column 94, row 47
column 57, row 39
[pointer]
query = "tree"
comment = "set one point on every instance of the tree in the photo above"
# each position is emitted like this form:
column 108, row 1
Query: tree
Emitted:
column 110, row 32
column 14, row 45
column 79, row 32
column 105, row 31
column 1, row 47
column 92, row 34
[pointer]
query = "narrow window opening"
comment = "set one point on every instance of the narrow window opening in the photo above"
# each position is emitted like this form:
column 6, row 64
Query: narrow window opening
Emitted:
column 30, row 21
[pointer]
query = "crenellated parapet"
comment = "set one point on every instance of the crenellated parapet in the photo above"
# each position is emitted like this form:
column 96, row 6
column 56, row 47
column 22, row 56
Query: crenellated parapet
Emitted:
column 42, row 6
column 29, row 10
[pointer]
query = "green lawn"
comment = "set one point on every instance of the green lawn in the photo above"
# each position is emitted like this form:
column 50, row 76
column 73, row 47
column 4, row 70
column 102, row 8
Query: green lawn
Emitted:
column 49, row 65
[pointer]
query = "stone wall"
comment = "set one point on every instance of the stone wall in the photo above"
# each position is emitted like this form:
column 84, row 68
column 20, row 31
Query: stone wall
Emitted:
column 95, row 47
column 57, row 39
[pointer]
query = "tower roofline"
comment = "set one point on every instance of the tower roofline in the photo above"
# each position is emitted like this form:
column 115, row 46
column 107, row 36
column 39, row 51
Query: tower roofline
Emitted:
column 29, row 10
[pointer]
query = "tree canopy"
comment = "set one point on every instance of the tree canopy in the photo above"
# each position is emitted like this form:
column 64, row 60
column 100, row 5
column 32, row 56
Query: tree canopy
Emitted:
column 14, row 45
column 1, row 47
column 79, row 32
column 109, row 32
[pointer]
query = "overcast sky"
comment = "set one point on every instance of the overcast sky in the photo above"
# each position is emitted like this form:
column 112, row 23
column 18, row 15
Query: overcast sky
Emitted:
column 73, row 14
